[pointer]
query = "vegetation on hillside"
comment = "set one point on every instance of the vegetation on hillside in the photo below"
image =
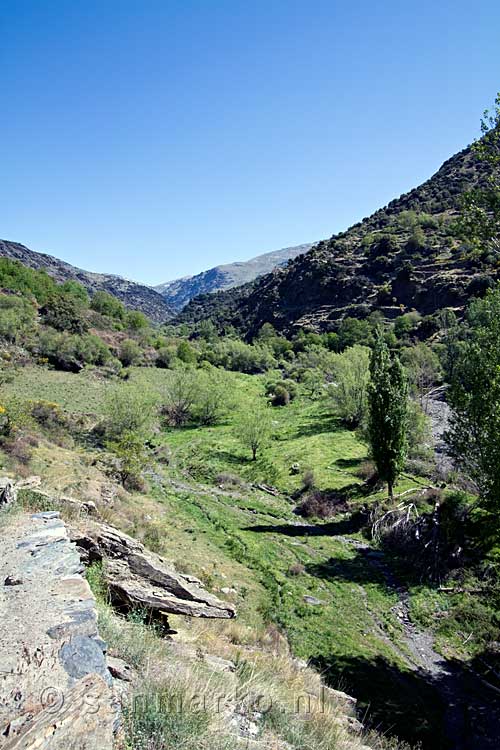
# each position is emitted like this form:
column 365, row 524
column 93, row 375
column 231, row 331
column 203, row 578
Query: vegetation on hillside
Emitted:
column 295, row 474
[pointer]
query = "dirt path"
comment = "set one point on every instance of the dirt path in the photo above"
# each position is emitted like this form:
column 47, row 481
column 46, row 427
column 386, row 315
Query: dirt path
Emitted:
column 472, row 710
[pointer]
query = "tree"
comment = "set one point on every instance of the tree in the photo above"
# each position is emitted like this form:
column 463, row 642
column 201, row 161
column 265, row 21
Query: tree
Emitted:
column 388, row 413
column 211, row 397
column 424, row 370
column 474, row 397
column 253, row 429
column 479, row 222
column 353, row 331
column 106, row 304
column 186, row 353
column 136, row 320
column 17, row 317
column 65, row 312
column 131, row 454
column 349, row 391
column 76, row 290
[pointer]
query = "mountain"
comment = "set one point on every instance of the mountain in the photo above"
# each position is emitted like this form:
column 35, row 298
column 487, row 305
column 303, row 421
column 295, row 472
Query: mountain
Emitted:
column 134, row 296
column 180, row 291
column 405, row 256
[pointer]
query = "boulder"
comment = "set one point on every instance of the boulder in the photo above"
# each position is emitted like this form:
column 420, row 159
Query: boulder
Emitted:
column 137, row 577
column 8, row 493
column 120, row 670
column 84, row 719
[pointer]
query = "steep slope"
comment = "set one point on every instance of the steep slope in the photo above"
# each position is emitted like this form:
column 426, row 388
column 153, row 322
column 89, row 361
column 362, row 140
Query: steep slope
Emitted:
column 402, row 257
column 179, row 292
column 133, row 295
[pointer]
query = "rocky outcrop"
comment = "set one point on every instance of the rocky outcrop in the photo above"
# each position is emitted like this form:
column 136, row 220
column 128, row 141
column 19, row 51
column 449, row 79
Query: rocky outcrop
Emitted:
column 137, row 577
column 55, row 687
column 7, row 492
column 83, row 721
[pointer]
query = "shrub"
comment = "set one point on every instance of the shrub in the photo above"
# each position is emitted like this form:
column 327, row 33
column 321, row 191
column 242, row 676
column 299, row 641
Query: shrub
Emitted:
column 231, row 480
column 186, row 353
column 130, row 353
column 297, row 569
column 280, row 393
column 178, row 398
column 165, row 357
column 65, row 312
column 308, row 480
column 128, row 410
column 210, row 398
column 136, row 320
column 47, row 414
column 407, row 324
column 17, row 277
column 319, row 504
column 106, row 304
column 19, row 447
column 71, row 352
column 17, row 317
column 353, row 331
column 233, row 354
column 131, row 455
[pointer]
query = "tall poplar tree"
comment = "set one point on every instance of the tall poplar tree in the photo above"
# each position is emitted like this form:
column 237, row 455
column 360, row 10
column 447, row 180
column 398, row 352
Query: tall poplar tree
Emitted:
column 388, row 413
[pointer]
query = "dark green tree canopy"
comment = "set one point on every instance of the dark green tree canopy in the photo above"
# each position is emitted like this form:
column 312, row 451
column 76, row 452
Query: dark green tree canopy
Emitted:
column 388, row 412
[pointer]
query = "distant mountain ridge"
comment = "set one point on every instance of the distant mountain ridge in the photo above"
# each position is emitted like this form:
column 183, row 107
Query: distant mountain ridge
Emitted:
column 134, row 296
column 180, row 291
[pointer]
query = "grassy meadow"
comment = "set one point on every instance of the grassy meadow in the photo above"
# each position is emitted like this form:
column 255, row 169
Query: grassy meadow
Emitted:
column 208, row 509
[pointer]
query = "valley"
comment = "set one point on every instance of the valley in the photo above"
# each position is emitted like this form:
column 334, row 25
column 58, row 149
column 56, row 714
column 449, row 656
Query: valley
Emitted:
column 333, row 598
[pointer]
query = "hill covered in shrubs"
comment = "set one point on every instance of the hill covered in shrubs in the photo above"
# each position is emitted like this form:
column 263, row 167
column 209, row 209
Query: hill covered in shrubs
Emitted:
column 406, row 256
column 134, row 296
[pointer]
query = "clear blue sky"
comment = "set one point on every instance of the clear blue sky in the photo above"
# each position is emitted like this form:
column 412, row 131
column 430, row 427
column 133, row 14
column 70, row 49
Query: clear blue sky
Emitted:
column 154, row 138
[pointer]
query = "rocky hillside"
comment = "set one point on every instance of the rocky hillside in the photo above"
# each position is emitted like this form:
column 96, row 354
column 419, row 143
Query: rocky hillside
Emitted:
column 405, row 256
column 134, row 296
column 179, row 292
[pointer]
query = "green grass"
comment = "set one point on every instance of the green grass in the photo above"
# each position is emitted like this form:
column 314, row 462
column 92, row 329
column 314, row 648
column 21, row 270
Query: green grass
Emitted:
column 249, row 540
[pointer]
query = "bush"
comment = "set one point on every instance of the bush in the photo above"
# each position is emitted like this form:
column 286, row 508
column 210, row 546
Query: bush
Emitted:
column 17, row 317
column 47, row 414
column 71, row 352
column 186, row 353
column 129, row 449
column 407, row 324
column 130, row 353
column 235, row 355
column 106, row 304
column 178, row 398
column 353, row 331
column 19, row 447
column 319, row 504
column 64, row 312
column 165, row 357
column 210, row 399
column 136, row 320
column 128, row 410
column 29, row 282
column 297, row 569
column 280, row 393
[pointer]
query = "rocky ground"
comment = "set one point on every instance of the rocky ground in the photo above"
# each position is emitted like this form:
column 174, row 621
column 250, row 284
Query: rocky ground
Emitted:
column 55, row 687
